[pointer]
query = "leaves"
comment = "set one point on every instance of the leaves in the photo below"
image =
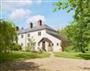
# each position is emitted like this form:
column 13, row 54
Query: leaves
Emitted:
column 7, row 35
column 79, row 32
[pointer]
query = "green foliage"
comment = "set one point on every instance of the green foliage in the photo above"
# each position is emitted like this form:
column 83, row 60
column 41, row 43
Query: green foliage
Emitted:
column 18, row 55
column 79, row 33
column 69, row 48
column 76, row 38
column 88, row 47
column 30, row 46
column 7, row 35
column 73, row 55
column 67, row 55
column 63, row 32
column 15, row 47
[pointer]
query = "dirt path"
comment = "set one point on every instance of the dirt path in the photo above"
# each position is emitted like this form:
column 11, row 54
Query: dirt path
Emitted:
column 49, row 64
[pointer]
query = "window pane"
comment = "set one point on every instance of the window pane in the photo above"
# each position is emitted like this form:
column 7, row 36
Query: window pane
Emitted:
column 39, row 33
column 21, row 36
column 21, row 44
column 28, row 35
column 57, row 44
column 52, row 44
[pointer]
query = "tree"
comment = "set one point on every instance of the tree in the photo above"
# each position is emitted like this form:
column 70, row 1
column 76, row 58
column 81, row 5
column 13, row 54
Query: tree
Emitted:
column 7, row 35
column 81, row 16
column 16, row 47
column 31, row 45
column 68, row 32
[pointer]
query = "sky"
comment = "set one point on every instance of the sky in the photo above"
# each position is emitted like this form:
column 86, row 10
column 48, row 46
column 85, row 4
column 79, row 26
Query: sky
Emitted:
column 22, row 12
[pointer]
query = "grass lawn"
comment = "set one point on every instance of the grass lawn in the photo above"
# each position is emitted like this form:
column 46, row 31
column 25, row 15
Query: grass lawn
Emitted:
column 19, row 55
column 73, row 55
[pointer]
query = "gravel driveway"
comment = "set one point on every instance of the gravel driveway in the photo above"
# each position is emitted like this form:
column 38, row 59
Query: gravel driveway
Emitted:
column 48, row 64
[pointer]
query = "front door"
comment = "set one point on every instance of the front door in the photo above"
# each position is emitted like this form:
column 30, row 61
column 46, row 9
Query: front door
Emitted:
column 43, row 46
column 49, row 47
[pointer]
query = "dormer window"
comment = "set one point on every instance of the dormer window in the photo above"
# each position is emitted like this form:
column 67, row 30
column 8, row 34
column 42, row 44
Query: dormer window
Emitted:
column 31, row 25
column 39, row 22
column 39, row 33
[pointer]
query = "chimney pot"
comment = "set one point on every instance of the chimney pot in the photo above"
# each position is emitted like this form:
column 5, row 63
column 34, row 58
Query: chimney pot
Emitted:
column 31, row 25
column 40, row 22
column 17, row 28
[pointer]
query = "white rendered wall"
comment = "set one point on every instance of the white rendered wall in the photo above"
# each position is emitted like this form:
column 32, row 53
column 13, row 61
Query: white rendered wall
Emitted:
column 33, row 36
column 22, row 40
column 36, row 38
column 55, row 40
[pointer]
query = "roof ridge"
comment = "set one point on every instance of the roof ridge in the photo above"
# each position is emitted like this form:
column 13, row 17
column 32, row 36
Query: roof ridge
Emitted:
column 36, row 28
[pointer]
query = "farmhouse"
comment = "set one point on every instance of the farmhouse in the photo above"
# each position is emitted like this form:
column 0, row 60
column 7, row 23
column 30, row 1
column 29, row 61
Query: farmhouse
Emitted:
column 44, row 37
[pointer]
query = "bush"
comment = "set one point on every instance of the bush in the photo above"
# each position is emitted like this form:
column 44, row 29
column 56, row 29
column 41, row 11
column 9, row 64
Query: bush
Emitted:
column 69, row 49
column 88, row 47
column 28, row 48
column 19, row 55
column 15, row 47
column 73, row 55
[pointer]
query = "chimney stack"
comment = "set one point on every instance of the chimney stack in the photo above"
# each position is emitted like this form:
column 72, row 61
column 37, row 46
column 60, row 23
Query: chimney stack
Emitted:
column 31, row 25
column 40, row 22
column 17, row 28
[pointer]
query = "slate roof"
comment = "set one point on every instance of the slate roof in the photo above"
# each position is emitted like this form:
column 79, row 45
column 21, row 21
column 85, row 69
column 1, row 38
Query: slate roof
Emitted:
column 36, row 28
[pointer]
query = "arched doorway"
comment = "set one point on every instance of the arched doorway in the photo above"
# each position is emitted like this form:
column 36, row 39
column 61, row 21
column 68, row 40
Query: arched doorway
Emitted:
column 46, row 44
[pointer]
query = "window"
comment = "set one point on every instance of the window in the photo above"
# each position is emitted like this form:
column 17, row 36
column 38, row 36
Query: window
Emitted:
column 39, row 33
column 21, row 36
column 29, row 39
column 57, row 44
column 21, row 44
column 38, row 44
column 28, row 35
column 52, row 44
column 28, row 44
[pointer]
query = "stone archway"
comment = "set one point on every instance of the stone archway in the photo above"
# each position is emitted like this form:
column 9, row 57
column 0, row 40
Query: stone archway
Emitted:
column 46, row 44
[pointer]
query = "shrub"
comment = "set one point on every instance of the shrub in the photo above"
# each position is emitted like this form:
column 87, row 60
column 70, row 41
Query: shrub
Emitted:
column 69, row 49
column 28, row 48
column 15, row 47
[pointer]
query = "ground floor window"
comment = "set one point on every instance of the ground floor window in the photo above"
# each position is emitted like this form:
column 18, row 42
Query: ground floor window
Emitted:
column 57, row 44
column 21, row 44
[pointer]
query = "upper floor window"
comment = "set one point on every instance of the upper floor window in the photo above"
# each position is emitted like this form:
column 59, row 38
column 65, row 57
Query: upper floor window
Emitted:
column 39, row 33
column 21, row 36
column 28, row 35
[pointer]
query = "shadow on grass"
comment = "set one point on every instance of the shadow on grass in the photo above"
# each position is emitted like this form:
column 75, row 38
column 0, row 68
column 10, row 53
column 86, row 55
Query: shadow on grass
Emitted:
column 20, row 66
column 85, row 56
